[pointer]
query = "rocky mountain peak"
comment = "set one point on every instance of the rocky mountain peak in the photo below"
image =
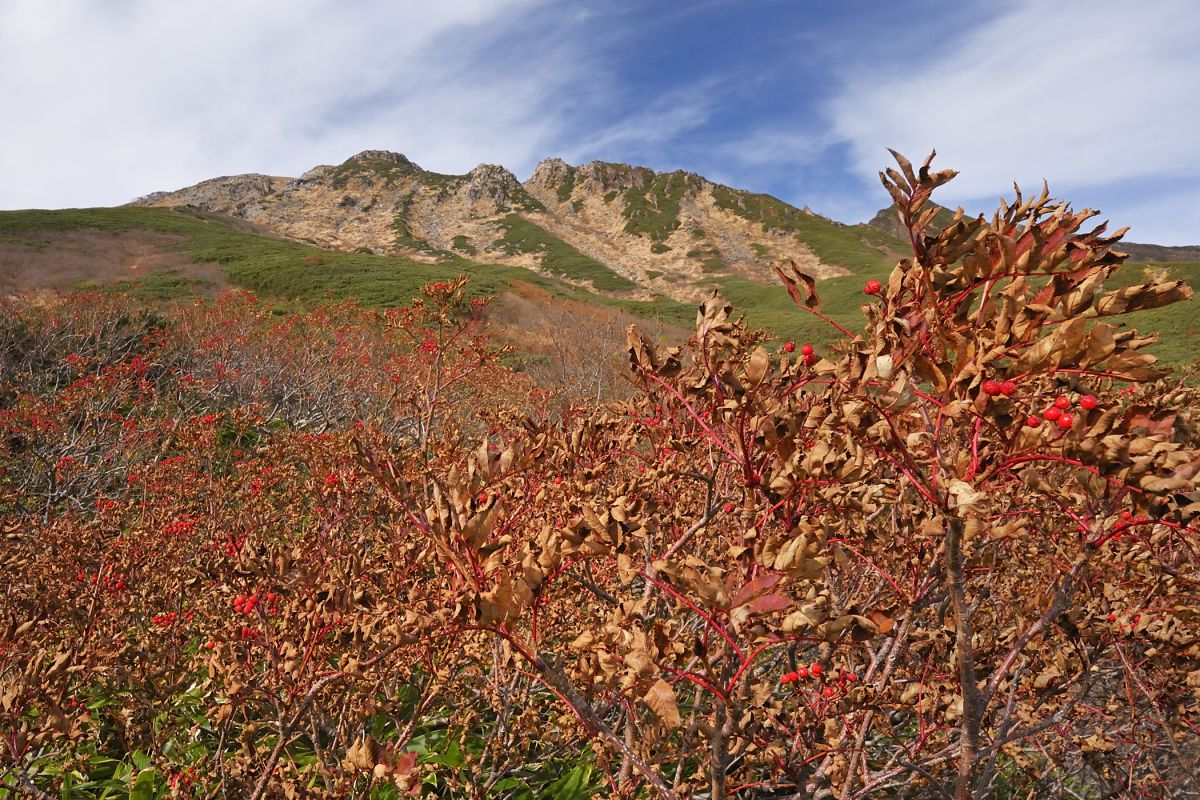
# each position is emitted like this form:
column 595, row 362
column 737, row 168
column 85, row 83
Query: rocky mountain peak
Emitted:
column 550, row 173
column 236, row 192
column 491, row 182
column 610, row 226
column 607, row 176
column 383, row 155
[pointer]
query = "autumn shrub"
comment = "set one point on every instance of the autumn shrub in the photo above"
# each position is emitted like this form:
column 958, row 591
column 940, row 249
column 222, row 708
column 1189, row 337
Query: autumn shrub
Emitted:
column 347, row 554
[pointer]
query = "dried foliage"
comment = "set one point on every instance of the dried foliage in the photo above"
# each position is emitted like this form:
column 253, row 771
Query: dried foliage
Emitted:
column 348, row 555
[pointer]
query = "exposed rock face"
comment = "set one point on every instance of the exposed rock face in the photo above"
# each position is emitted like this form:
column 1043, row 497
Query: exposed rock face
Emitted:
column 667, row 233
column 236, row 195
column 384, row 155
column 492, row 185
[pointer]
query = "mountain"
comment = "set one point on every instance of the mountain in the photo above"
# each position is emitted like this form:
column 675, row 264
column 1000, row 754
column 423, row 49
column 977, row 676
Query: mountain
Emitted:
column 567, row 253
column 612, row 228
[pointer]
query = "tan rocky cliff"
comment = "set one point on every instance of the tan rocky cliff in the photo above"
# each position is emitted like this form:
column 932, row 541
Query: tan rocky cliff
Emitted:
column 652, row 233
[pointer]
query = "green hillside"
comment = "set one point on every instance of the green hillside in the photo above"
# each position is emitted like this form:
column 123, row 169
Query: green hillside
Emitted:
column 290, row 270
column 523, row 236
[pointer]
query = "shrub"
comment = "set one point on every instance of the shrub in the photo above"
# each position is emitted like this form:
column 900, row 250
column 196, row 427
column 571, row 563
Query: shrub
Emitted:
column 346, row 553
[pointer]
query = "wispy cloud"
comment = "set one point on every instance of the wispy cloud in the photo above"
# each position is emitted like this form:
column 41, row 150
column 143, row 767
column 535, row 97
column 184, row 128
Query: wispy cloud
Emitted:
column 649, row 132
column 106, row 100
column 1087, row 95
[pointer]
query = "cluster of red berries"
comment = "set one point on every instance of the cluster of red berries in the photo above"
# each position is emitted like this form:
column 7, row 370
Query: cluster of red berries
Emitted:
column 1057, row 412
column 179, row 527
column 873, row 287
column 791, row 677
column 233, row 546
column 250, row 633
column 993, row 388
column 1119, row 529
column 806, row 350
column 185, row 778
column 110, row 583
column 1131, row 628
column 164, row 620
column 815, row 671
column 247, row 603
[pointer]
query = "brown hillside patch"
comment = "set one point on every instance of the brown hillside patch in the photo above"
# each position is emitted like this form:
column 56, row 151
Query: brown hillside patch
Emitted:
column 64, row 259
column 574, row 347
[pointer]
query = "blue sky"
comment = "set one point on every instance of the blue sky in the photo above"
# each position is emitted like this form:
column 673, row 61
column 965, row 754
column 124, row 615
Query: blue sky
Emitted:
column 105, row 100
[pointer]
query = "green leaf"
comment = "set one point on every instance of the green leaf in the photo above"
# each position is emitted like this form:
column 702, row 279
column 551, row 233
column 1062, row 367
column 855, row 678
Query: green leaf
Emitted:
column 143, row 787
column 573, row 785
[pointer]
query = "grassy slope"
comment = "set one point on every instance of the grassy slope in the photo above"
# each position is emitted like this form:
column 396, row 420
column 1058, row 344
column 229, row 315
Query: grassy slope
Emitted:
column 860, row 248
column 292, row 270
column 288, row 269
column 1178, row 325
column 523, row 236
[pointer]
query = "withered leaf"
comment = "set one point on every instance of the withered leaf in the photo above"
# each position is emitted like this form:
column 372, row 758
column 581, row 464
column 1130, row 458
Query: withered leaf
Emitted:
column 661, row 699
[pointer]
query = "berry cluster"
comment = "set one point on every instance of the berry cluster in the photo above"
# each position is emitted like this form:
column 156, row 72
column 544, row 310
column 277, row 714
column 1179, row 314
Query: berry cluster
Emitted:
column 247, row 603
column 164, row 620
column 111, row 584
column 815, row 671
column 1057, row 412
column 993, row 388
column 806, row 350
column 184, row 779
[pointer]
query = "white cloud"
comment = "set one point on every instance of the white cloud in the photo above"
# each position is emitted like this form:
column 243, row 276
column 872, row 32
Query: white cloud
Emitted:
column 652, row 131
column 1086, row 93
column 108, row 99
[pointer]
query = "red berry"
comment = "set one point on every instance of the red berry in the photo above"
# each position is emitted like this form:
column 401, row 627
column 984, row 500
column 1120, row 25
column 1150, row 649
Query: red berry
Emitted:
column 816, row 670
column 1088, row 402
column 872, row 287
column 1062, row 402
column 1112, row 617
column 1052, row 413
column 558, row 479
column 1033, row 422
column 1125, row 515
column 788, row 677
column 829, row 691
column 809, row 360
column 991, row 387
column 1008, row 388
column 789, row 347
column 806, row 349
column 802, row 673
column 727, row 508
column 1065, row 421
column 852, row 677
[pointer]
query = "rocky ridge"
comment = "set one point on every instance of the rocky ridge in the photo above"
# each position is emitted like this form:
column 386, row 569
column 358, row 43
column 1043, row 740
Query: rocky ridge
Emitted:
column 613, row 227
